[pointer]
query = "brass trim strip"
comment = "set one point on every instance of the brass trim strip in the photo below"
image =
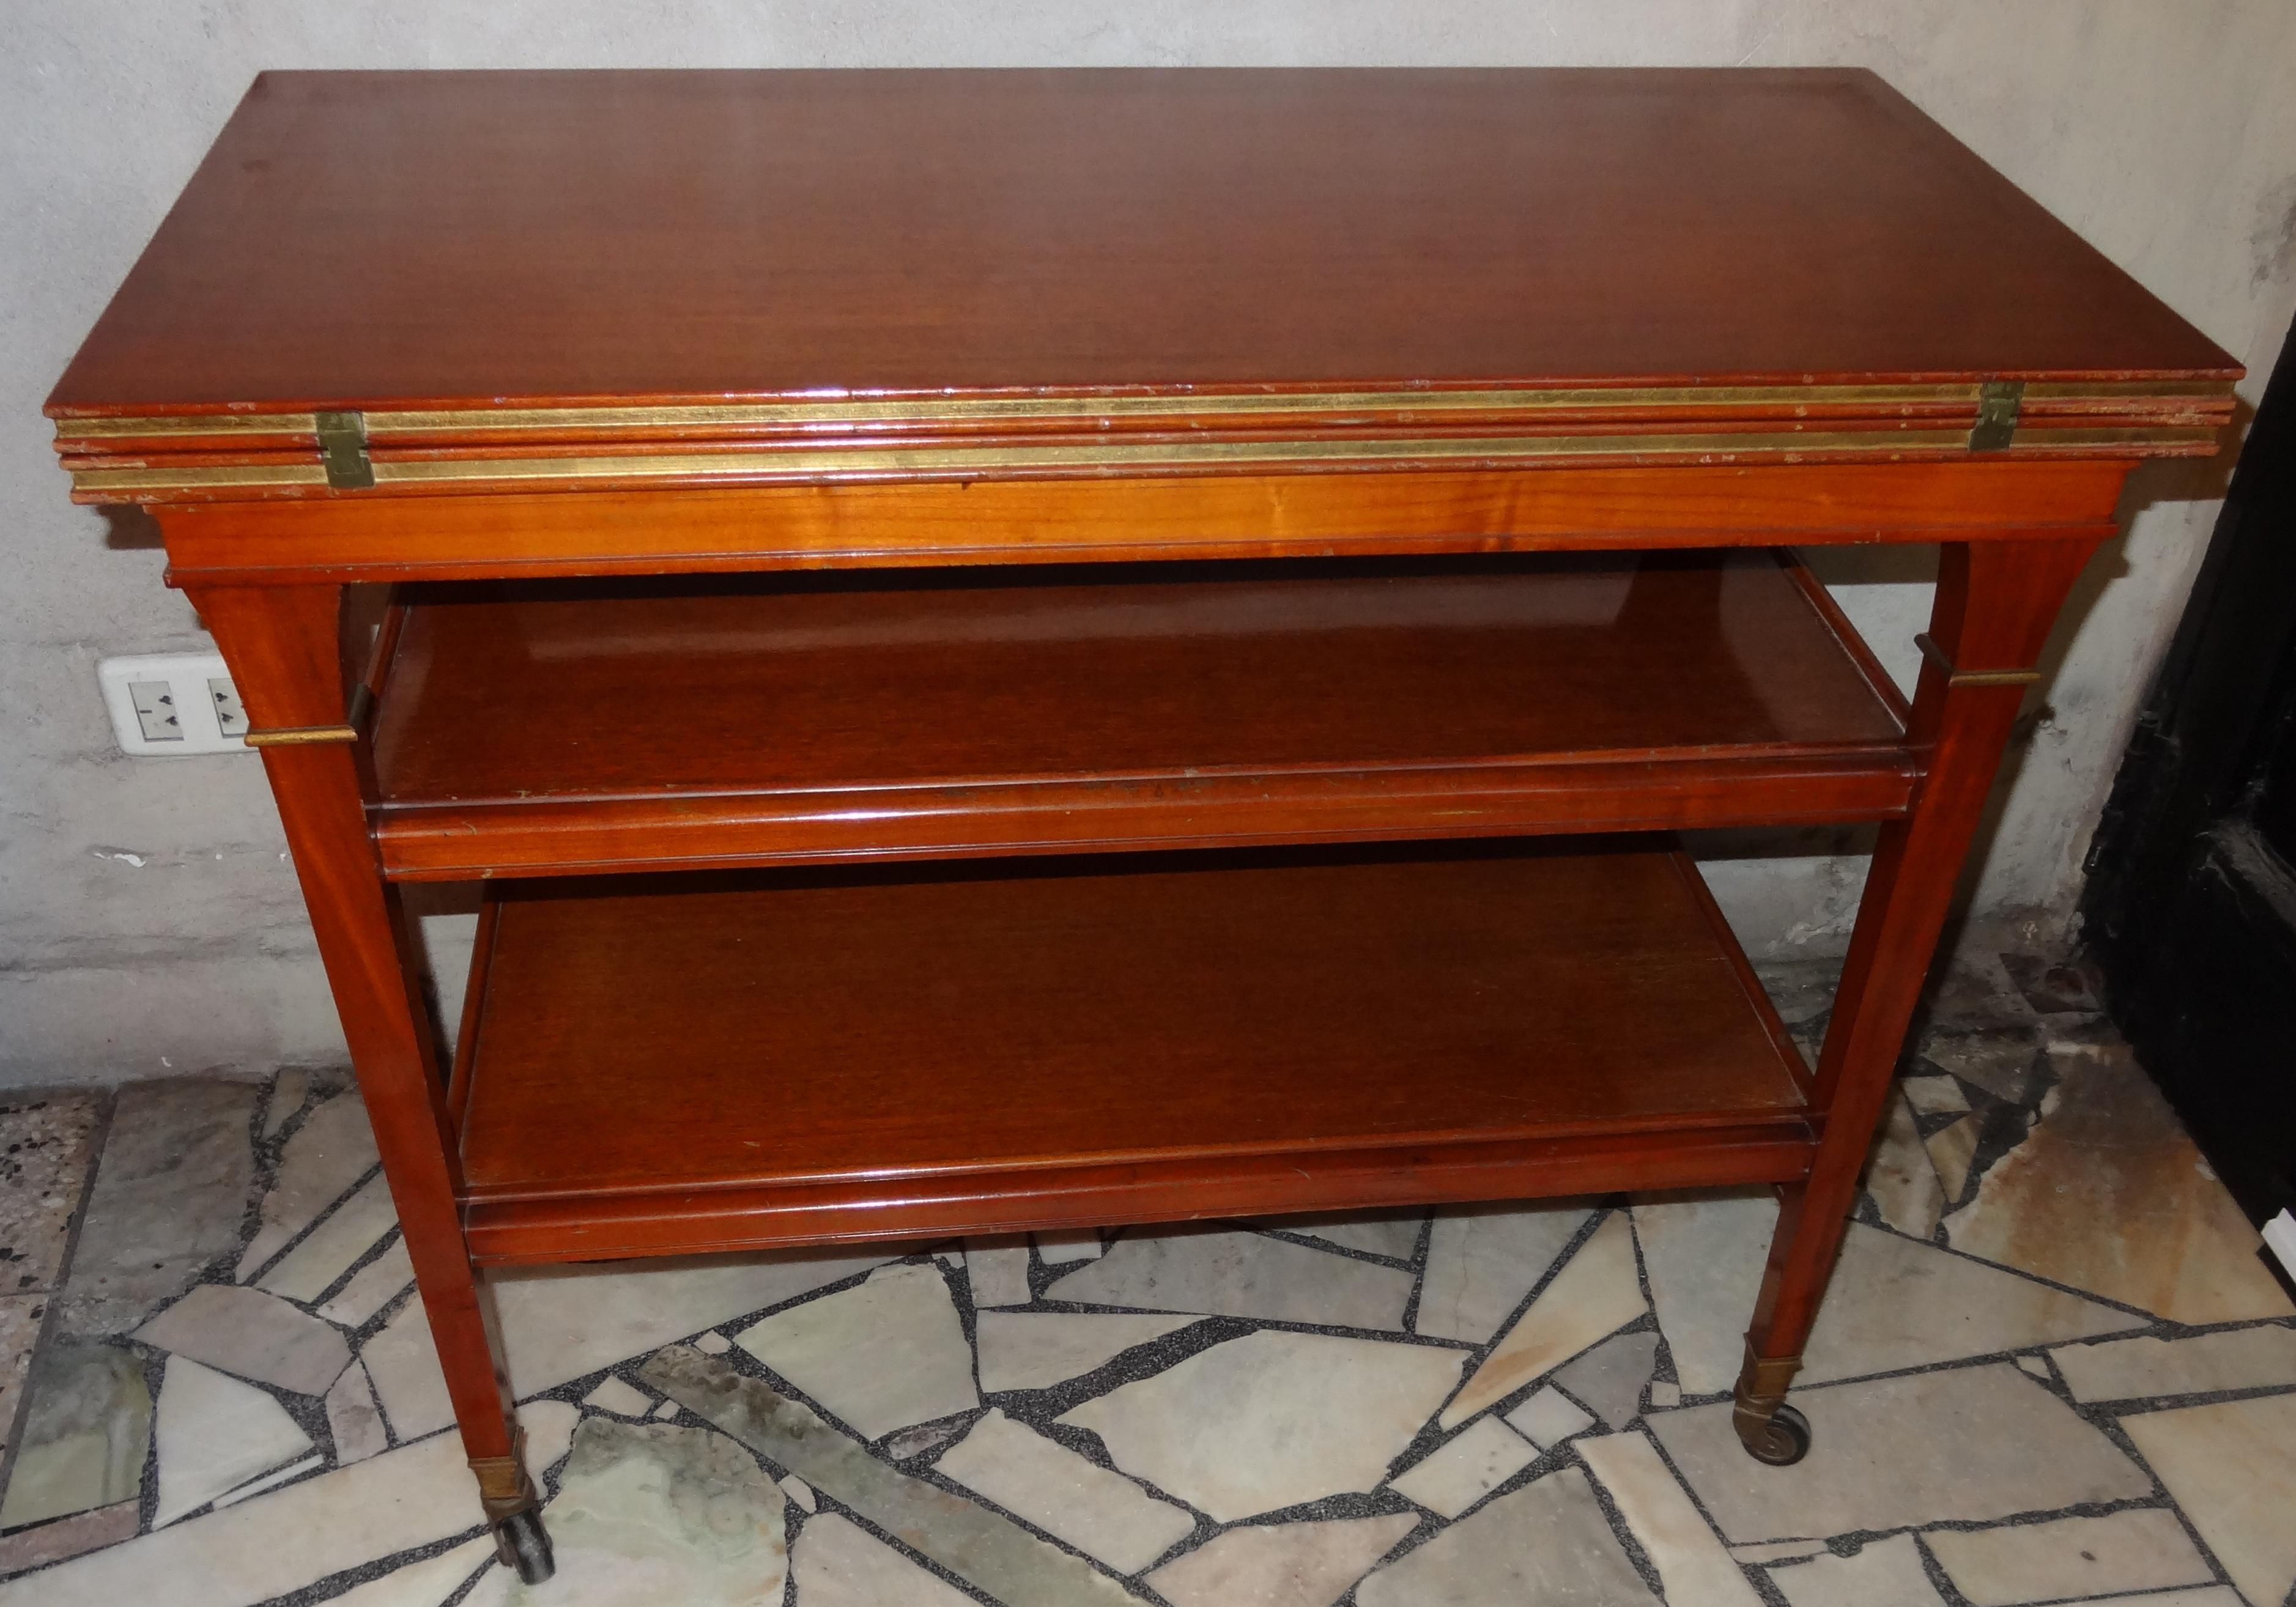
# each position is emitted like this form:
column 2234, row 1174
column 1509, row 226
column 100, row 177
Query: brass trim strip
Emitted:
column 837, row 463
column 291, row 736
column 1972, row 677
column 824, row 413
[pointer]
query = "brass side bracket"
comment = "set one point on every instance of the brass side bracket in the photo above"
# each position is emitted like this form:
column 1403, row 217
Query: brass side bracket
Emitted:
column 1997, row 405
column 342, row 448
column 1955, row 677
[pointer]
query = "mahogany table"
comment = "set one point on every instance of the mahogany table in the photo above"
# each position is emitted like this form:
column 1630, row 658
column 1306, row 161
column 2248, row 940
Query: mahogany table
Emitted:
column 1024, row 650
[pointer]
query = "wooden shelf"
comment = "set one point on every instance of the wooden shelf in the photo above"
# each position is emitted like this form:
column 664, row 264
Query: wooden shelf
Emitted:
column 547, row 728
column 673, row 1063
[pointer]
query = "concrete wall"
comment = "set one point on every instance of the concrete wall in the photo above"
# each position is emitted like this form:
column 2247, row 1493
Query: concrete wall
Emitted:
column 149, row 922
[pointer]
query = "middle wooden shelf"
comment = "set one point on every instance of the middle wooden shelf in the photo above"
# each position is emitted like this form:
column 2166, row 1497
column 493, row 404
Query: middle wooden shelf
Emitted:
column 559, row 727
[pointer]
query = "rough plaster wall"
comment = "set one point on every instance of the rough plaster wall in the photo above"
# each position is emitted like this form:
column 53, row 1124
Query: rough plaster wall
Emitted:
column 148, row 921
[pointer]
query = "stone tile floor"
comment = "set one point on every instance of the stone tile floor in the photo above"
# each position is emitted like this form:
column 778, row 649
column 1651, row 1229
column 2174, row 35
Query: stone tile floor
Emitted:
column 2054, row 1368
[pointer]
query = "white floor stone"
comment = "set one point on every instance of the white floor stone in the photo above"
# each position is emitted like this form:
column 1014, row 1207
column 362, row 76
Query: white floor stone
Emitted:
column 2213, row 1596
column 2143, row 1548
column 249, row 1491
column 413, row 1496
column 250, row 1334
column 1074, row 1244
column 353, row 1418
column 623, row 1399
column 1887, row 1573
column 214, row 1433
column 1481, row 1261
column 655, row 1514
column 1597, row 1293
column 1374, row 1232
column 1953, row 1149
column 1035, row 1350
column 1272, row 1419
column 1693, row 1567
column 1103, row 1514
column 798, row 1490
column 840, row 1564
column 333, row 1150
column 1247, row 1274
column 372, row 1287
column 1935, row 1095
column 1279, row 1564
column 2237, row 1358
column 998, row 1270
column 1704, row 1257
column 883, row 1355
column 1967, row 1445
column 1548, row 1418
column 1546, row 1542
column 2230, row 1467
column 424, row 1584
column 559, row 1323
column 328, row 1250
column 1611, row 1377
column 1899, row 1176
column 1465, row 1468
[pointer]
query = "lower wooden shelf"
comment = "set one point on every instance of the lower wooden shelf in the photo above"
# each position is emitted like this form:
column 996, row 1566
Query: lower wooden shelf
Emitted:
column 660, row 1064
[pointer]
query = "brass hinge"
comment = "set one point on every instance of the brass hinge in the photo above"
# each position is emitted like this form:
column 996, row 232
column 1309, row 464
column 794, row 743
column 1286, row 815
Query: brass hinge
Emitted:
column 342, row 447
column 1997, row 401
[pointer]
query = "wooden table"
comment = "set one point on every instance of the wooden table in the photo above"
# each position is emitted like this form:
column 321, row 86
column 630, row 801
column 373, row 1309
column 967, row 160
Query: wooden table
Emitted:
column 1024, row 650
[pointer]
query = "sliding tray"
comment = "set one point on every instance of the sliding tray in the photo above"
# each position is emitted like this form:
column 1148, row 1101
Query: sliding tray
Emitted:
column 685, row 1063
column 546, row 728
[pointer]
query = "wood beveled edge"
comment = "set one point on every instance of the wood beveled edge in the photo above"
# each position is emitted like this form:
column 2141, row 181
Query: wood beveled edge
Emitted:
column 150, row 479
column 772, row 1214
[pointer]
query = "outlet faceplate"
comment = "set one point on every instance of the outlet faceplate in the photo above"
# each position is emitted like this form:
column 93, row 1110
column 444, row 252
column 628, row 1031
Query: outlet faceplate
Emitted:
column 167, row 704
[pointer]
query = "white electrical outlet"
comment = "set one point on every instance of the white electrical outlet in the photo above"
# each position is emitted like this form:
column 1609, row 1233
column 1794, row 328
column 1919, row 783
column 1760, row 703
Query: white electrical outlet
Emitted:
column 173, row 703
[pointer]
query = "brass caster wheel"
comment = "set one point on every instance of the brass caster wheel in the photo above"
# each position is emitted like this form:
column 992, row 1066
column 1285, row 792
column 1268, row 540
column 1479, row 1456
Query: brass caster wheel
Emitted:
column 522, row 1543
column 1783, row 1440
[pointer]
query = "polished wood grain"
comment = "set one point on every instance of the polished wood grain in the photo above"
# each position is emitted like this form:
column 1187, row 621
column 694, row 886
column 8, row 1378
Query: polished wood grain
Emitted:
column 1224, row 1022
column 455, row 239
column 548, row 727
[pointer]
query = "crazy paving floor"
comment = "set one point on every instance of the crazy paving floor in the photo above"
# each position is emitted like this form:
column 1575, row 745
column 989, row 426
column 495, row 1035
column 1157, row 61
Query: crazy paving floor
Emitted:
column 2053, row 1368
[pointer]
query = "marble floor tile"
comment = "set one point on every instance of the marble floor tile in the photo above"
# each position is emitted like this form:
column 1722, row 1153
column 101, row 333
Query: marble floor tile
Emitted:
column 1934, row 1095
column 881, row 1356
column 1703, row 1256
column 47, row 1145
column 2003, row 1060
column 622, row 1399
column 1777, row 1551
column 1076, row 1244
column 21, row 1316
column 1215, row 1272
column 1597, row 1293
column 87, row 1427
column 1280, row 1565
column 65, row 1538
column 1799, row 990
column 1103, row 1514
column 256, row 1486
column 250, row 1334
column 1665, row 1394
column 1481, row 1261
column 1692, row 1569
column 1035, row 1350
column 329, row 1249
column 2236, row 1358
column 1965, row 1445
column 2208, row 1596
column 559, row 1323
column 2141, row 1548
column 1952, row 1152
column 986, row 1549
column 2231, row 1467
column 170, row 1191
column 354, row 1420
column 1609, row 1379
column 666, row 1411
column 2109, row 1195
column 1465, row 1468
column 1393, row 1233
column 997, row 1269
column 1886, row 1573
column 838, row 1563
column 796, row 1488
column 372, row 1287
column 1899, row 1177
column 1271, row 1420
column 423, row 1584
column 1894, row 1303
column 648, row 1513
column 1548, row 1418
column 1545, row 1542
column 331, row 1150
column 214, row 1434
column 413, row 1497
column 288, row 1091
column 1977, row 987
column 712, row 1343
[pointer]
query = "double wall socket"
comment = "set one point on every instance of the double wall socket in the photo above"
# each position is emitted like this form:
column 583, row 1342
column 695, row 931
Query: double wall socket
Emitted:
column 164, row 704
